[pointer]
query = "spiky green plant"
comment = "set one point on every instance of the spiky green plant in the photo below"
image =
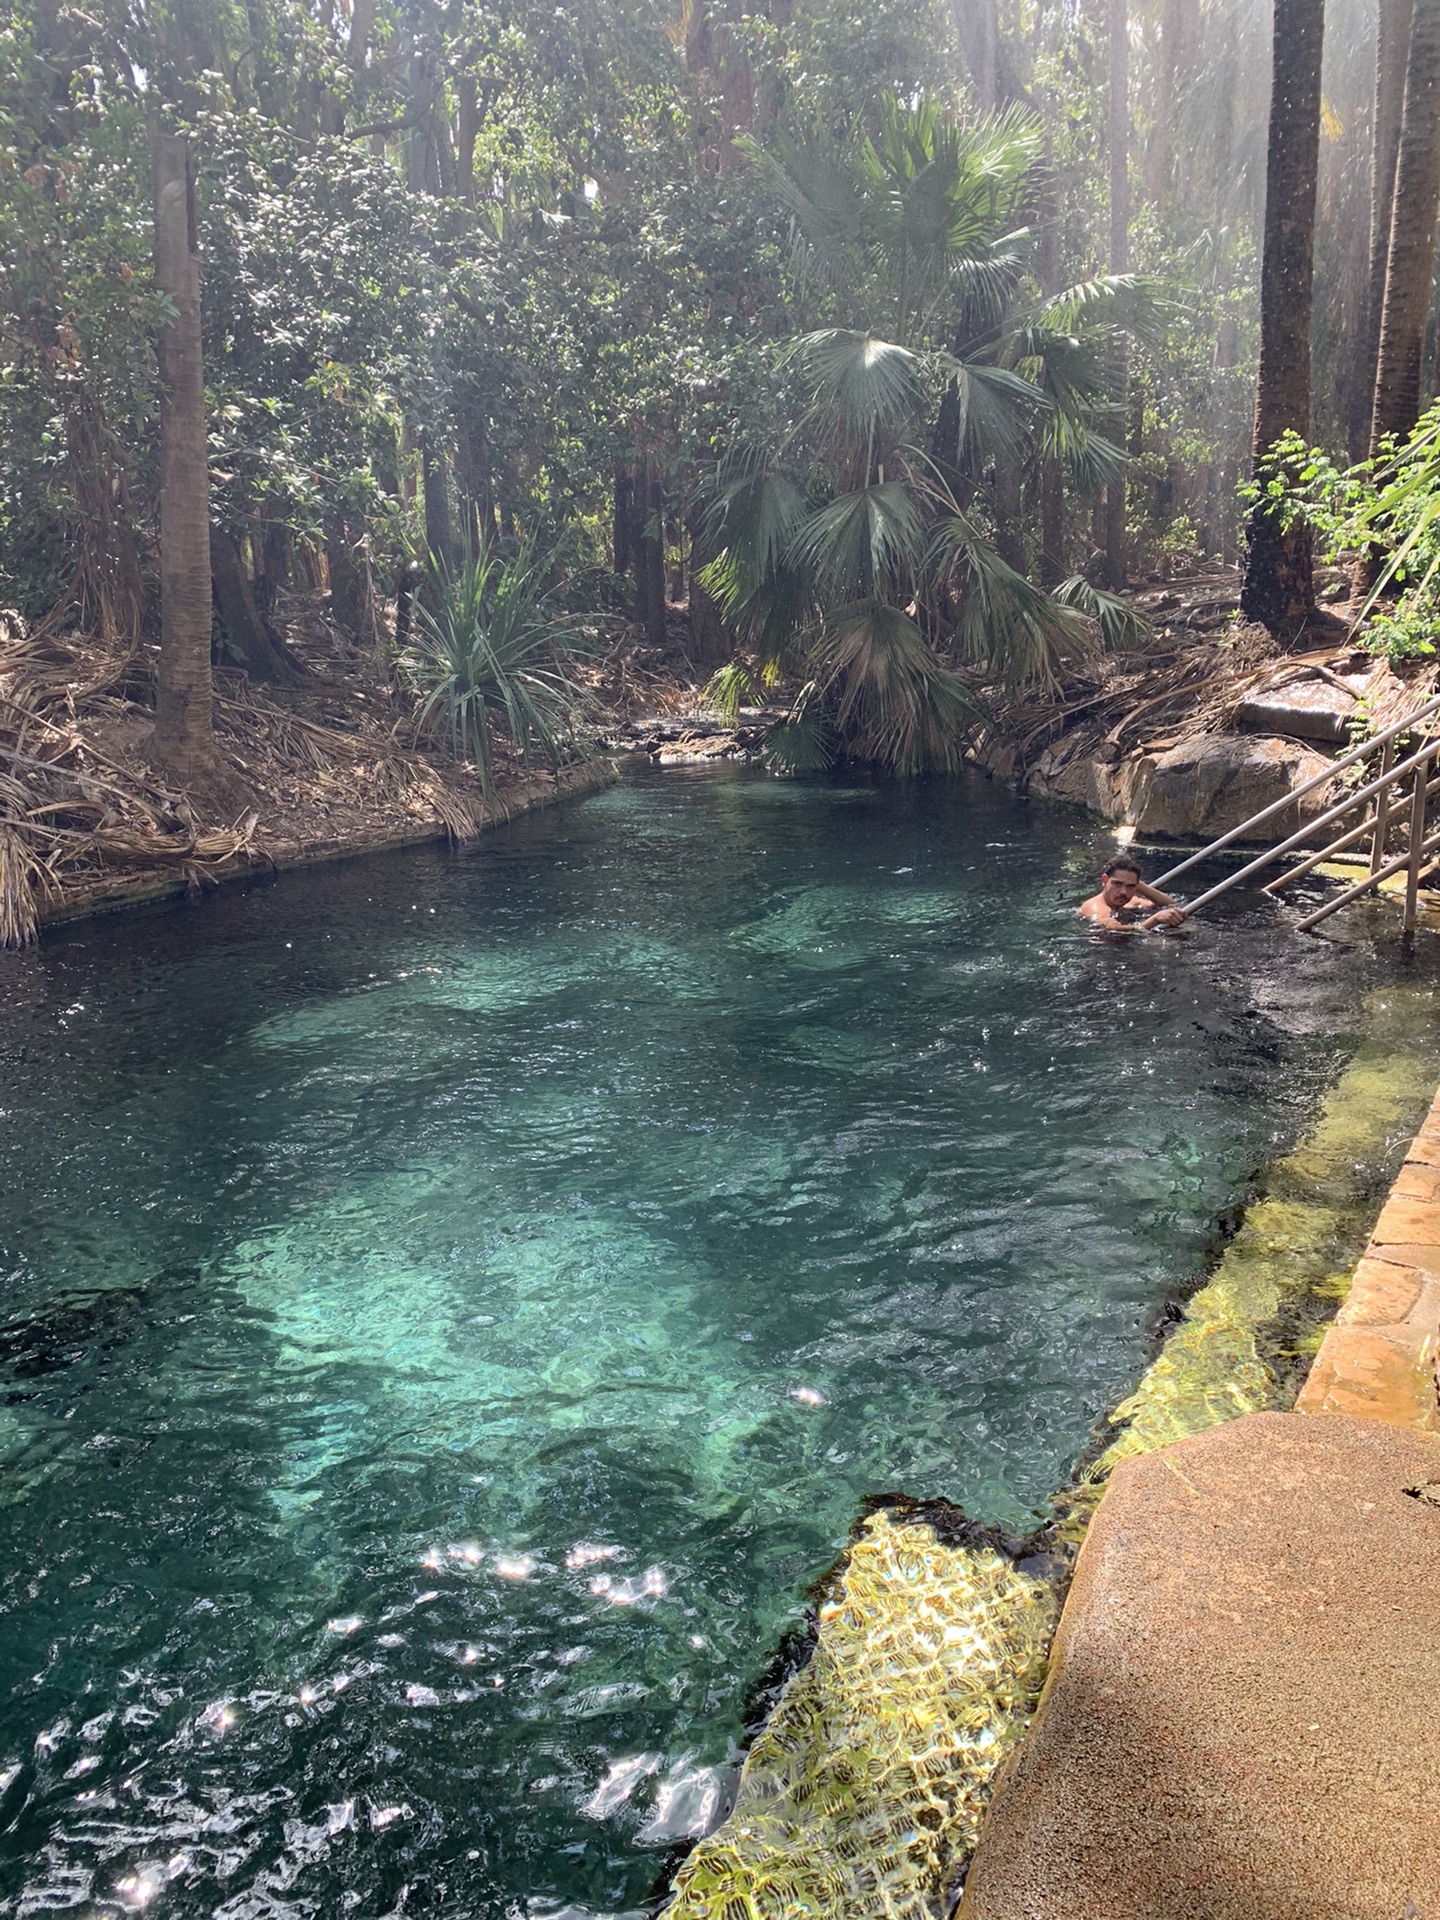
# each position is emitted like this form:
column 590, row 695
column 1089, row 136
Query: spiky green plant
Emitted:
column 490, row 653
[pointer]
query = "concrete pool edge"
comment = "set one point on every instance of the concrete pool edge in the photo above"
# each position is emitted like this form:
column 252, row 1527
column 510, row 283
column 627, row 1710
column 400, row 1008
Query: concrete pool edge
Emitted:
column 1379, row 1358
column 536, row 793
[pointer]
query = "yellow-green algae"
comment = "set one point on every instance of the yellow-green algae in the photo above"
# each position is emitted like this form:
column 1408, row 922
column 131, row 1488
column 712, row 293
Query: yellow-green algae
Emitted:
column 1240, row 1346
column 863, row 1793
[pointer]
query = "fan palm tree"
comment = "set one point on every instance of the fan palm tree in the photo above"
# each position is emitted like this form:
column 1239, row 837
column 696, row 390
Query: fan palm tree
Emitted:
column 856, row 548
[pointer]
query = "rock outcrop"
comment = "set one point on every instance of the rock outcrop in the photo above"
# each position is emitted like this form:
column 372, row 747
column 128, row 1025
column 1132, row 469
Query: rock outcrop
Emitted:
column 1198, row 789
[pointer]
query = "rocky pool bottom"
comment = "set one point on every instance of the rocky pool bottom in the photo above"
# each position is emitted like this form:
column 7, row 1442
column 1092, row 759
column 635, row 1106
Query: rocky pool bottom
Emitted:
column 457, row 1304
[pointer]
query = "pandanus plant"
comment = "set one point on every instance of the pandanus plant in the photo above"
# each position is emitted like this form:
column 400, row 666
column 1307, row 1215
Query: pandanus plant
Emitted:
column 492, row 659
column 854, row 547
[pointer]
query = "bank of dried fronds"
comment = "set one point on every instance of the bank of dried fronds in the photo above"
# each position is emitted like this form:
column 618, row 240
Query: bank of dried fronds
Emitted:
column 1195, row 669
column 327, row 766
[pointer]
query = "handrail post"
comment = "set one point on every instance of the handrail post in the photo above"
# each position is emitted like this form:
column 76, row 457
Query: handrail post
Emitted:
column 1417, row 849
column 1382, row 810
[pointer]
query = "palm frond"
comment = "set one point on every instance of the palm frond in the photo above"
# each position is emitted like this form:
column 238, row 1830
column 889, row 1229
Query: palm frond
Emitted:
column 802, row 743
column 730, row 687
column 1008, row 627
column 863, row 542
column 1130, row 303
column 891, row 699
column 862, row 387
column 1121, row 623
column 997, row 408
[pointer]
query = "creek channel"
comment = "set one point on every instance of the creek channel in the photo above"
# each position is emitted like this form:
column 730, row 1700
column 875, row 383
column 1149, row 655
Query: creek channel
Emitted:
column 454, row 1304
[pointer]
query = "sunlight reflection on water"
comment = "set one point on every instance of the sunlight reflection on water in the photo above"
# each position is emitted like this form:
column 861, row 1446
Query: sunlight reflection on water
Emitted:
column 441, row 1348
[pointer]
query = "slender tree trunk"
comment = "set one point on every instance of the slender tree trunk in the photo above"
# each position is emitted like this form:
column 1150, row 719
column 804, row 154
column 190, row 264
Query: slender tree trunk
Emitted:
column 1179, row 23
column 249, row 633
column 467, row 127
column 109, row 589
column 1410, row 267
column 184, row 742
column 1279, row 587
column 439, row 533
column 1049, row 268
column 362, row 23
column 712, row 641
column 1052, row 521
column 1117, row 569
column 978, row 25
column 652, row 557
column 274, row 564
column 1009, row 532
column 347, row 578
column 1392, row 49
column 622, row 522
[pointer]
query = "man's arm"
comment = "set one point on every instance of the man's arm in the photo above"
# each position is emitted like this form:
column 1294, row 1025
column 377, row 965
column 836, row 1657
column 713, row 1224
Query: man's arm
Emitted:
column 1097, row 911
column 1167, row 917
column 1154, row 896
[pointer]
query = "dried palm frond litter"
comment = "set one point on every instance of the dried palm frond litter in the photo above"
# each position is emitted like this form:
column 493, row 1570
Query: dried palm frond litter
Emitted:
column 1245, row 1339
column 17, row 895
column 864, row 1792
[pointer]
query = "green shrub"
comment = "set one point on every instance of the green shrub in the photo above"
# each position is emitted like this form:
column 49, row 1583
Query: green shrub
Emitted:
column 490, row 652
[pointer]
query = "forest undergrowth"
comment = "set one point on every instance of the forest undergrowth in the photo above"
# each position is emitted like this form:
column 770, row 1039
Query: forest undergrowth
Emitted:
column 334, row 762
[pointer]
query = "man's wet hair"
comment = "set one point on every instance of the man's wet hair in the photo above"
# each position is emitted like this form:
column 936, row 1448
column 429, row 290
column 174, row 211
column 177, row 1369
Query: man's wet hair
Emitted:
column 1120, row 865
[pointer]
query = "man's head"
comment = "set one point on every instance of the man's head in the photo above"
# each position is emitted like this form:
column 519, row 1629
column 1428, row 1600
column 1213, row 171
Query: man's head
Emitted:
column 1118, row 882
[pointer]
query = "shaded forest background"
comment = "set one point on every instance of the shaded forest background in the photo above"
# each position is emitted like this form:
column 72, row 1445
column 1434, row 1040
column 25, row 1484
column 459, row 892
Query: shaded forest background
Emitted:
column 605, row 285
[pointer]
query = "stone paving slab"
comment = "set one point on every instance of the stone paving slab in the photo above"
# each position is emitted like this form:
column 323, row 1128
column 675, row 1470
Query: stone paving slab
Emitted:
column 1242, row 1720
column 1379, row 1359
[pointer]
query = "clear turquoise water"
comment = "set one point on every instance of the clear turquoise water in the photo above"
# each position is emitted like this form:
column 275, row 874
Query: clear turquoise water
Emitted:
column 454, row 1304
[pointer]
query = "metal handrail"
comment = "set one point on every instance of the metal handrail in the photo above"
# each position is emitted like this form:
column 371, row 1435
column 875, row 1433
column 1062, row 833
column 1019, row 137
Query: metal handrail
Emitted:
column 1368, row 884
column 1356, row 799
column 1279, row 806
column 1375, row 825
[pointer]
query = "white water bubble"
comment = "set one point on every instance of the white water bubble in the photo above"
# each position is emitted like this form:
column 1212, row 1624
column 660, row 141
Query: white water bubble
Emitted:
column 809, row 1396
column 688, row 1804
column 218, row 1717
column 340, row 1817
column 344, row 1624
column 515, row 1566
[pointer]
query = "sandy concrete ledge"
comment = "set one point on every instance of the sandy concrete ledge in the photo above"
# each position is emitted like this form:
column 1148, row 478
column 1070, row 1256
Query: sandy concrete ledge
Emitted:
column 1239, row 1722
column 1379, row 1358
column 543, row 790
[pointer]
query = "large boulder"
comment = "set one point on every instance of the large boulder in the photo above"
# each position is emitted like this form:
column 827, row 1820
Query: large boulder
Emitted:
column 1210, row 784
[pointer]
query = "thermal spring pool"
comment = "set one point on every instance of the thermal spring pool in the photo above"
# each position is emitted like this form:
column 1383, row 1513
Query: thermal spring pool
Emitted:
column 454, row 1304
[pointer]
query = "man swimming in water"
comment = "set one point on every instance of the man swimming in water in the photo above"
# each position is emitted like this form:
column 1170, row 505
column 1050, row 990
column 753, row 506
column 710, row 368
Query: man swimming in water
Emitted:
column 1120, row 887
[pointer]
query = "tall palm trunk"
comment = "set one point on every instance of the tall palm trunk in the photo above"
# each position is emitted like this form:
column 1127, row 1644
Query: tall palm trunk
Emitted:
column 1118, row 120
column 1412, row 235
column 184, row 743
column 1392, row 48
column 1279, row 587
